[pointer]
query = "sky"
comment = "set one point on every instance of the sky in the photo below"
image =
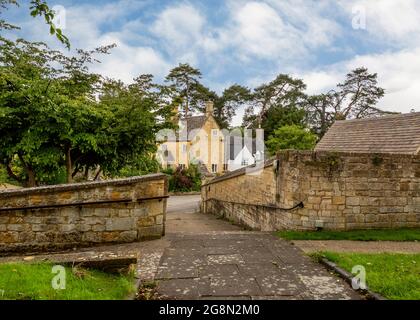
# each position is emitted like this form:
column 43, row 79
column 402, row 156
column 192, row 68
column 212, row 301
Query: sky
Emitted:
column 247, row 42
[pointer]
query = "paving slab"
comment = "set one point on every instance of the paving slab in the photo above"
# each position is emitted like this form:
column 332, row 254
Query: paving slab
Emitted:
column 208, row 258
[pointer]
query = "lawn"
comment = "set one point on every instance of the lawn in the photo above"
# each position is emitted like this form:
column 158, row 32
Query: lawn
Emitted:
column 394, row 276
column 362, row 235
column 34, row 282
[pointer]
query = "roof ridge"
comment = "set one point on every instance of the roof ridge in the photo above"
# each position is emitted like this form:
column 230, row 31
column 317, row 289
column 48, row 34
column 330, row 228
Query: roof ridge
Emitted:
column 385, row 117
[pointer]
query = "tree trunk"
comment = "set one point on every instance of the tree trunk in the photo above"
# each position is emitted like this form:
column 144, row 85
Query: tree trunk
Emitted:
column 188, row 97
column 69, row 167
column 87, row 173
column 31, row 181
column 12, row 174
column 98, row 174
column 31, row 177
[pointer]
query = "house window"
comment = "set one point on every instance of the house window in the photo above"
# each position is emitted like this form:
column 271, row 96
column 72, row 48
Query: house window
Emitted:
column 244, row 162
column 184, row 148
column 197, row 138
column 225, row 167
column 214, row 168
column 197, row 153
column 182, row 166
column 215, row 132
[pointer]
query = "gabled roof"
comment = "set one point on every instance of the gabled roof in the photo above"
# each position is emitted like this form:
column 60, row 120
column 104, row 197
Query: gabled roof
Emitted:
column 235, row 144
column 398, row 134
column 189, row 124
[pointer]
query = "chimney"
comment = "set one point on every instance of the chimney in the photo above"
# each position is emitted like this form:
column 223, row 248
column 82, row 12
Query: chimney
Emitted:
column 209, row 108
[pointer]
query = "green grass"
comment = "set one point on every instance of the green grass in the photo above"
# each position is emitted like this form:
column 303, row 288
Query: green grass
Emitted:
column 394, row 276
column 33, row 282
column 362, row 235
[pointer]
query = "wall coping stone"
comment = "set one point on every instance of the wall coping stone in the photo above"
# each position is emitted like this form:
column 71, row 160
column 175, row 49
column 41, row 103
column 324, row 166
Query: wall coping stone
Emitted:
column 80, row 186
column 239, row 172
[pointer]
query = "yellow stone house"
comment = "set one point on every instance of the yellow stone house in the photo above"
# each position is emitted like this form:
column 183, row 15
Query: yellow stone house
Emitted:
column 199, row 140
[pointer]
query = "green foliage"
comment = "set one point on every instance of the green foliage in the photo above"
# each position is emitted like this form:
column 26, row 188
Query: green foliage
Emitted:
column 291, row 137
column 184, row 180
column 284, row 92
column 355, row 235
column 22, row 281
column 37, row 8
column 394, row 276
column 226, row 105
column 50, row 118
column 355, row 98
column 140, row 166
column 278, row 116
column 185, row 83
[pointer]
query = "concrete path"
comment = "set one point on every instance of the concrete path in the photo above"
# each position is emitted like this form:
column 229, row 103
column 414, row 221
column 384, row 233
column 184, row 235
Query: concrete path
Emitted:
column 208, row 258
column 309, row 246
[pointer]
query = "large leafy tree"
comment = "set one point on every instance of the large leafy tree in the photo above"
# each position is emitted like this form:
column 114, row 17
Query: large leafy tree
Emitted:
column 47, row 108
column 51, row 119
column 276, row 104
column 139, row 111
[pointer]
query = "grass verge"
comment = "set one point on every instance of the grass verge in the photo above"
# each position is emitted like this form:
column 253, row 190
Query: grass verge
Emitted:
column 360, row 235
column 394, row 276
column 19, row 281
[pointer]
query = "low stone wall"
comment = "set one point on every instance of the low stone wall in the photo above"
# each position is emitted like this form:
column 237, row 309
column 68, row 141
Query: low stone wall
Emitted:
column 338, row 191
column 63, row 216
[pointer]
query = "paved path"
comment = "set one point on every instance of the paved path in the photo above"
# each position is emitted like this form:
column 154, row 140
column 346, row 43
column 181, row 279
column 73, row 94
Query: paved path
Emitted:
column 358, row 246
column 203, row 257
column 208, row 258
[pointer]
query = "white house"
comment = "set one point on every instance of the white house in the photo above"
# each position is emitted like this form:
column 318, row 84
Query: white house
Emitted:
column 241, row 152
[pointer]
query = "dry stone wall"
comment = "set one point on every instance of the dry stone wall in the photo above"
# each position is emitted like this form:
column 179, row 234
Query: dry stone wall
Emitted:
column 56, row 217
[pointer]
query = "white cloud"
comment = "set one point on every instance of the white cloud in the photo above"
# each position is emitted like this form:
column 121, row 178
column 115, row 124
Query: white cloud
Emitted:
column 398, row 73
column 180, row 26
column 83, row 28
column 396, row 22
column 259, row 31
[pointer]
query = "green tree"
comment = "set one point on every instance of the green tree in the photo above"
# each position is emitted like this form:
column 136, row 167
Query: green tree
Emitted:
column 225, row 106
column 185, row 82
column 283, row 92
column 355, row 98
column 138, row 112
column 47, row 108
column 291, row 137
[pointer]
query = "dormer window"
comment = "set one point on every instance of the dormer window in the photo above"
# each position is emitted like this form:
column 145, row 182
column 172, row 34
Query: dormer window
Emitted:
column 214, row 132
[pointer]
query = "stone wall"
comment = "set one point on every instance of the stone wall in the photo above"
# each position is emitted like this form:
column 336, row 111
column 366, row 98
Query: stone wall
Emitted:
column 338, row 191
column 62, row 216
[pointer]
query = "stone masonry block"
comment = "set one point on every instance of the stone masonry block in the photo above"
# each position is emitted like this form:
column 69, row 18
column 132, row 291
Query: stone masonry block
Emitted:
column 119, row 224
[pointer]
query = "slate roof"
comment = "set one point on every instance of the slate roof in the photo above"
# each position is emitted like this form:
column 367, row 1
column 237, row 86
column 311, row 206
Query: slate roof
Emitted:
column 189, row 124
column 399, row 134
